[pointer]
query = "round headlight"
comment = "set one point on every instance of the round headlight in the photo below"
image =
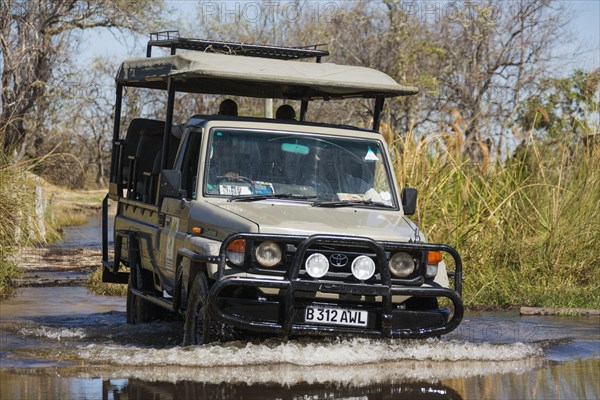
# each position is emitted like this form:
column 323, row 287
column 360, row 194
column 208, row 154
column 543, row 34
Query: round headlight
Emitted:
column 268, row 254
column 317, row 265
column 363, row 268
column 402, row 264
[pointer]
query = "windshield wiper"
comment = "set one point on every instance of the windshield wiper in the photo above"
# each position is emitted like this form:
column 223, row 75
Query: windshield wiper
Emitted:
column 258, row 197
column 349, row 203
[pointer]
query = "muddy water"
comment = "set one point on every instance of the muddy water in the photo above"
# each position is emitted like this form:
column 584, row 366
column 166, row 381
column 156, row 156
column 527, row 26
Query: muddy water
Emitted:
column 63, row 343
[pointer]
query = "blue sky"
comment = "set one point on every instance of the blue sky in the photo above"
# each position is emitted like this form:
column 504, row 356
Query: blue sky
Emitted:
column 585, row 27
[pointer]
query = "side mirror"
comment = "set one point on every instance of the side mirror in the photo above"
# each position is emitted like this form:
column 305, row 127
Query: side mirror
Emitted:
column 170, row 183
column 409, row 200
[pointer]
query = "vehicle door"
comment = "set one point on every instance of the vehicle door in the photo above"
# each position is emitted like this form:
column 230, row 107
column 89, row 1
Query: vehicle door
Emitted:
column 174, row 211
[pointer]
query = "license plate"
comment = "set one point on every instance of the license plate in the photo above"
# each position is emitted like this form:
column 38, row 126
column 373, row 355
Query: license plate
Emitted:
column 336, row 316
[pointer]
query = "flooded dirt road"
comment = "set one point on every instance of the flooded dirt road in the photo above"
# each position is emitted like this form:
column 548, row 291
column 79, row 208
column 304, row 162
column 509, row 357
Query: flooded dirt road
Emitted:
column 63, row 342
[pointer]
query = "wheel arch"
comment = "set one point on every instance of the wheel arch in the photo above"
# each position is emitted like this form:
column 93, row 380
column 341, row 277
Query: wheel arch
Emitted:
column 188, row 265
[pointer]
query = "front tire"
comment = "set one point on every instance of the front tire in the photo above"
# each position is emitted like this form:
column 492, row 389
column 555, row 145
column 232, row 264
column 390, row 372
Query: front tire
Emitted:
column 197, row 323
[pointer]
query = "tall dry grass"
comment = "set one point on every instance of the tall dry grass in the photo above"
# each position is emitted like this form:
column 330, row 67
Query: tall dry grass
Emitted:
column 17, row 208
column 528, row 228
column 20, row 225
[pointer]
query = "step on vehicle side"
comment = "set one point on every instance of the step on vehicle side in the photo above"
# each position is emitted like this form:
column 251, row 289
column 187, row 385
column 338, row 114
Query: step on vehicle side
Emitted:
column 265, row 225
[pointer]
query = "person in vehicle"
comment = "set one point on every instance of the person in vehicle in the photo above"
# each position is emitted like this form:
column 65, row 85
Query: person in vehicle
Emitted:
column 233, row 158
column 285, row 112
column 228, row 107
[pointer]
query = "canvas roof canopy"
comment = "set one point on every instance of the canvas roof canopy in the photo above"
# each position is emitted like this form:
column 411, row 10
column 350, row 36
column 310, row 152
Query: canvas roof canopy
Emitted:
column 214, row 73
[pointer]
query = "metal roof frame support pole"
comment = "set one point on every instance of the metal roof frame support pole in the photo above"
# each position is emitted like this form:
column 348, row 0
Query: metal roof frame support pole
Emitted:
column 377, row 112
column 116, row 128
column 118, row 103
column 168, row 123
column 303, row 109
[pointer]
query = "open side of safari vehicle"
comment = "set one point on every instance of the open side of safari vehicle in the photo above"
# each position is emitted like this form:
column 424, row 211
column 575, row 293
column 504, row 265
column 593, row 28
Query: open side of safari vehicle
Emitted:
column 285, row 227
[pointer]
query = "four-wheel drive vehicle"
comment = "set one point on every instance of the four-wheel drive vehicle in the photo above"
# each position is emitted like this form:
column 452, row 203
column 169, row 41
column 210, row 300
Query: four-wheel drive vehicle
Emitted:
column 283, row 227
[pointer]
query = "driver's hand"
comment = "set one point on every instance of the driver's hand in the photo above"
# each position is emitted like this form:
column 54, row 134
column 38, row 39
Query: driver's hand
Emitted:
column 232, row 175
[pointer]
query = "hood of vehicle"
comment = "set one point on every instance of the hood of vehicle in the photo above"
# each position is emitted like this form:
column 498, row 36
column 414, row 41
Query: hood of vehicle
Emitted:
column 299, row 218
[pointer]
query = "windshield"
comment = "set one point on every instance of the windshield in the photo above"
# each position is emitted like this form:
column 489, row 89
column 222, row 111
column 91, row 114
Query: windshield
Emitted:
column 258, row 165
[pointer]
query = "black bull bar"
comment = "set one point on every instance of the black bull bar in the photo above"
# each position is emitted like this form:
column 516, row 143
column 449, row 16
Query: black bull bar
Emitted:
column 288, row 323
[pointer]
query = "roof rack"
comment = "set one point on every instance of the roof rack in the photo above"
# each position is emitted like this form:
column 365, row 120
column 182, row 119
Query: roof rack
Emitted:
column 172, row 40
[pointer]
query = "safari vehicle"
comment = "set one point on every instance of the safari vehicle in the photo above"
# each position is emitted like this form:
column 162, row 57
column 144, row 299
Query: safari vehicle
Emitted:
column 264, row 225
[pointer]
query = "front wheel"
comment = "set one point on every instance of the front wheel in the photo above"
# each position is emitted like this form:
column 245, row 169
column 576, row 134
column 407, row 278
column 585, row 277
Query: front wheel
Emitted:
column 197, row 323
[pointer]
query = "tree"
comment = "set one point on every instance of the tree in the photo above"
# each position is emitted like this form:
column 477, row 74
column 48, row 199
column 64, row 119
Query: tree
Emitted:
column 35, row 37
column 493, row 54
column 475, row 62
column 564, row 107
column 386, row 36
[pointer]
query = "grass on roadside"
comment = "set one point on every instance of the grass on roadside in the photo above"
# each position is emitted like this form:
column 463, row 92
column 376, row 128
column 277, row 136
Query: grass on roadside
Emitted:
column 95, row 285
column 528, row 229
column 8, row 271
column 17, row 213
column 21, row 223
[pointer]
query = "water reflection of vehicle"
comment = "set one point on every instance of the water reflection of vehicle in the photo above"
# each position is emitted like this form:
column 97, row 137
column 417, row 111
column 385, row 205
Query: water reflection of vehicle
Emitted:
column 136, row 389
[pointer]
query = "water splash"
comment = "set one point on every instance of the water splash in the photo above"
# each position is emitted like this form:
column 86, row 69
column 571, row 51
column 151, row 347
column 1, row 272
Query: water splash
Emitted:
column 345, row 352
column 53, row 333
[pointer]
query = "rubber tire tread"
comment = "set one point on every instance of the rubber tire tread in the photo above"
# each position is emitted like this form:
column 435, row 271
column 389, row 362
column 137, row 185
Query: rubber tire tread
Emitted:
column 195, row 307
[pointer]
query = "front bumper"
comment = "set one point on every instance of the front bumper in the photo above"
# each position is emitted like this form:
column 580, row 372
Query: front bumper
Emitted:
column 284, row 314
